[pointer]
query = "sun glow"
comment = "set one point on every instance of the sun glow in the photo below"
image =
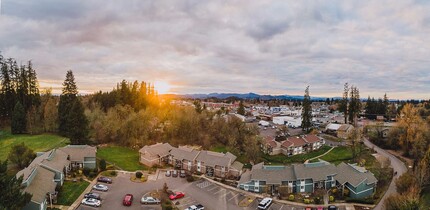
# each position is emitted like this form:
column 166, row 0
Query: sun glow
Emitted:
column 162, row 87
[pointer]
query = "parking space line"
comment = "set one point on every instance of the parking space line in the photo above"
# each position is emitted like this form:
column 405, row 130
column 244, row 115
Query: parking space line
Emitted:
column 281, row 207
column 213, row 188
column 219, row 191
column 233, row 197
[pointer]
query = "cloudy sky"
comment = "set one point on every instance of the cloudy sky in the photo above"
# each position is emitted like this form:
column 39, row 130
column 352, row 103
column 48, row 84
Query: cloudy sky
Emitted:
column 267, row 47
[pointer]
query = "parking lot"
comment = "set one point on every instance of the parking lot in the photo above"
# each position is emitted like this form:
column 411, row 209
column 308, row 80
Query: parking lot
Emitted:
column 204, row 192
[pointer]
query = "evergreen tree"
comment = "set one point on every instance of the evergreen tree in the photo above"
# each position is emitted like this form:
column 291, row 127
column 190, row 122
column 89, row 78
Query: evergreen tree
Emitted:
column 12, row 195
column 307, row 111
column 344, row 102
column 77, row 124
column 241, row 109
column 19, row 121
column 7, row 90
column 67, row 99
column 354, row 105
column 21, row 155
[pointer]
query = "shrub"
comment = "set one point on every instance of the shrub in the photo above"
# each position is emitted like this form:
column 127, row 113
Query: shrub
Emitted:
column 113, row 173
column 291, row 197
column 92, row 174
column 331, row 198
column 81, row 179
column 190, row 178
column 364, row 200
column 139, row 174
column 317, row 200
column 306, row 201
column 86, row 171
column 102, row 165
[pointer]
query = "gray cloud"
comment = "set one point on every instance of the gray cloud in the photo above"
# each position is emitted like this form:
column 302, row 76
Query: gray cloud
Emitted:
column 268, row 47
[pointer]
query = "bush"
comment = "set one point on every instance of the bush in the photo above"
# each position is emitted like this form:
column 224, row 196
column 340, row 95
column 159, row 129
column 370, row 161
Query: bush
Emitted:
column 331, row 198
column 113, row 173
column 190, row 178
column 81, row 179
column 86, row 171
column 317, row 200
column 102, row 165
column 291, row 198
column 139, row 174
column 92, row 174
column 306, row 201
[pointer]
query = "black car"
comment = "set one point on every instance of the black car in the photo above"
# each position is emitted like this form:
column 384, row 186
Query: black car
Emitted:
column 332, row 207
column 92, row 195
column 105, row 180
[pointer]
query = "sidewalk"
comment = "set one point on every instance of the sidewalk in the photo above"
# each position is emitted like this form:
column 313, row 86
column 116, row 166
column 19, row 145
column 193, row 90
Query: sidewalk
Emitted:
column 320, row 155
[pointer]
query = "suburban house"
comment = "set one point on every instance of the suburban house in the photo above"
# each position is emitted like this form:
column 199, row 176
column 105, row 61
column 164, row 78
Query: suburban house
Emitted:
column 344, row 131
column 47, row 171
column 156, row 154
column 81, row 156
column 293, row 145
column 308, row 177
column 214, row 164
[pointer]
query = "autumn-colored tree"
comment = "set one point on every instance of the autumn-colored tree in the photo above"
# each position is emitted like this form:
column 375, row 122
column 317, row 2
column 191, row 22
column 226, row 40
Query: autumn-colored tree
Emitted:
column 413, row 131
column 355, row 139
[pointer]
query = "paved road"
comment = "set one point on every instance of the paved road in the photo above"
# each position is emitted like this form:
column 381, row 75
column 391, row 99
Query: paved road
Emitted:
column 397, row 165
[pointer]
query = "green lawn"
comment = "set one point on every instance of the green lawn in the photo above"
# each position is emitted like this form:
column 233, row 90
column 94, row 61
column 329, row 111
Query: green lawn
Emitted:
column 337, row 155
column 219, row 148
column 70, row 191
column 282, row 159
column 38, row 143
column 123, row 157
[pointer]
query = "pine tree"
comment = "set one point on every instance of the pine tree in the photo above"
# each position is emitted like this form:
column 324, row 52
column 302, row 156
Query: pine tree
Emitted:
column 67, row 98
column 77, row 124
column 12, row 195
column 241, row 109
column 344, row 102
column 307, row 111
column 354, row 105
column 19, row 121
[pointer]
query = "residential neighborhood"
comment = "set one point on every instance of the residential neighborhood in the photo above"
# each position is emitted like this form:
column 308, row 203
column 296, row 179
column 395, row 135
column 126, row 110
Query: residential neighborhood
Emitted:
column 214, row 105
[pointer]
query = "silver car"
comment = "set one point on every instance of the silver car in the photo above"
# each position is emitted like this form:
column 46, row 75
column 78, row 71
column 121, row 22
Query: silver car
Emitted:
column 91, row 202
column 101, row 187
column 149, row 200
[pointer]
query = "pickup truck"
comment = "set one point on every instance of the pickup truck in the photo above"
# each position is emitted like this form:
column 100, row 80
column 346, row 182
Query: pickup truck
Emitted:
column 196, row 207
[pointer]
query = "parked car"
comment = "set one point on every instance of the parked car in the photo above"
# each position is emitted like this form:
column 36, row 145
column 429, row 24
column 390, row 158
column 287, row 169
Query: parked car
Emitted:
column 149, row 200
column 104, row 180
column 331, row 207
column 176, row 195
column 168, row 173
column 128, row 199
column 182, row 174
column 101, row 187
column 174, row 173
column 92, row 195
column 196, row 207
column 265, row 203
column 91, row 202
column 320, row 208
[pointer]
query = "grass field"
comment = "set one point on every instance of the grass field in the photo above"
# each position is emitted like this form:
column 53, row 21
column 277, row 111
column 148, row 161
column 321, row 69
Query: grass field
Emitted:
column 425, row 198
column 38, row 143
column 282, row 159
column 337, row 155
column 123, row 157
column 70, row 191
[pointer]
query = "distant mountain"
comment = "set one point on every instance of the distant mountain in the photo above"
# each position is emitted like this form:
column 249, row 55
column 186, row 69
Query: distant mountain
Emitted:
column 249, row 96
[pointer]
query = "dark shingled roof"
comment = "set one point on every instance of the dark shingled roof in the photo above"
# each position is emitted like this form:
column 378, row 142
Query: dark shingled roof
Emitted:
column 184, row 153
column 354, row 175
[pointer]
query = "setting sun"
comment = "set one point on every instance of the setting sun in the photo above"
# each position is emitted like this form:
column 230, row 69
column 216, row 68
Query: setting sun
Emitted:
column 162, row 87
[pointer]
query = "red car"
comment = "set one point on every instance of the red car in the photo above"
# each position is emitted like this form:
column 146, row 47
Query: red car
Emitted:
column 127, row 200
column 176, row 195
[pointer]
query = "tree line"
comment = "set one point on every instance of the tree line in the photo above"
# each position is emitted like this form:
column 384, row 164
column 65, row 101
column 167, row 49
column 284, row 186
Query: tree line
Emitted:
column 19, row 93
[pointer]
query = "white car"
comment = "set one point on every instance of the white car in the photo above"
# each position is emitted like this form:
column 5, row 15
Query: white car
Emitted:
column 149, row 200
column 196, row 207
column 91, row 202
column 265, row 203
column 101, row 187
